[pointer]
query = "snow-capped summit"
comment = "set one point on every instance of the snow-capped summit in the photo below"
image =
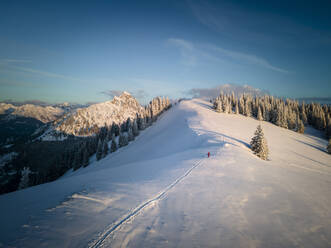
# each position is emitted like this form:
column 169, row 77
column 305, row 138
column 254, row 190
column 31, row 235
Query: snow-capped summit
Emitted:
column 86, row 120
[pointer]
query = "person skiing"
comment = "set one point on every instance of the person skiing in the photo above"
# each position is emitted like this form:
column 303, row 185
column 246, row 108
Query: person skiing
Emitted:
column 208, row 154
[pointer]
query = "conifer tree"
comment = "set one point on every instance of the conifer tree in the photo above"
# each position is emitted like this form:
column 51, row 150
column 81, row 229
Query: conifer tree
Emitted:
column 135, row 129
column 109, row 135
column 85, row 157
column 236, row 108
column 130, row 135
column 99, row 150
column 123, row 140
column 259, row 144
column 77, row 162
column 141, row 123
column 113, row 146
column 247, row 109
column 218, row 107
column 105, row 149
column 128, row 124
column 24, row 183
column 303, row 115
column 259, row 114
column 300, row 125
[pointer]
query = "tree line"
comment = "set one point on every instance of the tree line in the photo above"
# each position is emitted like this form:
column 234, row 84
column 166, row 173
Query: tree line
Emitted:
column 282, row 112
column 75, row 152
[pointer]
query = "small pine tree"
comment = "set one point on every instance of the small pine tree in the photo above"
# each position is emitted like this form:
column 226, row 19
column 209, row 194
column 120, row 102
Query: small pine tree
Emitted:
column 259, row 144
column 236, row 108
column 123, row 140
column 77, row 162
column 99, row 150
column 113, row 146
column 259, row 114
column 130, row 135
column 105, row 149
column 85, row 157
column 24, row 183
column 300, row 126
column 135, row 129
column 329, row 147
column 218, row 106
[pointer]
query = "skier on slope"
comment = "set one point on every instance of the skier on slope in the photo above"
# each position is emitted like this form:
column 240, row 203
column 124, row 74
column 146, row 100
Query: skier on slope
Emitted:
column 208, row 154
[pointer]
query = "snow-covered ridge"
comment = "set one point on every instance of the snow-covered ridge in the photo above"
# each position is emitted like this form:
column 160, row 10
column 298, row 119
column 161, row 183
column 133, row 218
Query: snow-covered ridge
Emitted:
column 42, row 113
column 85, row 120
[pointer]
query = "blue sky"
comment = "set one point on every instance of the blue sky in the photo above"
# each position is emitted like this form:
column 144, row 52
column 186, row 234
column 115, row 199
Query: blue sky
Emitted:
column 78, row 51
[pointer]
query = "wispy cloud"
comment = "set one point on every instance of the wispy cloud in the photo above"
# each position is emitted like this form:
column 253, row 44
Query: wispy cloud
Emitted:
column 191, row 54
column 247, row 58
column 46, row 74
column 187, row 51
column 17, row 65
column 6, row 62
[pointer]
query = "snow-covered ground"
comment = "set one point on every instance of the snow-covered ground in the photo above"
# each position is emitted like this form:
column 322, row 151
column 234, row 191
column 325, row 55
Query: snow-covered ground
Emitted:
column 163, row 191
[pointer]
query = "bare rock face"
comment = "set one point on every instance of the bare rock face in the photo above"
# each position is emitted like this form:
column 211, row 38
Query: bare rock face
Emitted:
column 86, row 121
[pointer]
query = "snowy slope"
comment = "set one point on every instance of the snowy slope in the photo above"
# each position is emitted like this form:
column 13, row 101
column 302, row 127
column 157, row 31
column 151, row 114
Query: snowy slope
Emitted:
column 162, row 191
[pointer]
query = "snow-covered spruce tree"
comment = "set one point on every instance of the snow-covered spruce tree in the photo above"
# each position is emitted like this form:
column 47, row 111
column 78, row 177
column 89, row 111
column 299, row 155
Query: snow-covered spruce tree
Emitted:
column 135, row 129
column 109, row 135
column 259, row 144
column 85, row 157
column 329, row 147
column 128, row 124
column 24, row 183
column 113, row 146
column 78, row 157
column 123, row 140
column 218, row 106
column 259, row 114
column 236, row 108
column 105, row 149
column 300, row 125
column 99, row 150
column 141, row 123
column 247, row 109
column 130, row 135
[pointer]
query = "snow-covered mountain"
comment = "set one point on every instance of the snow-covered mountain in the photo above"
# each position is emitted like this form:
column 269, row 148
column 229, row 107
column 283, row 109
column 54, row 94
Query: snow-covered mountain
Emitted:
column 163, row 191
column 42, row 113
column 85, row 121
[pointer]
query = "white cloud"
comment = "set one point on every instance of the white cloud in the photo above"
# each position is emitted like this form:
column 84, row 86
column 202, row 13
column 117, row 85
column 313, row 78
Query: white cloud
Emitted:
column 247, row 58
column 187, row 51
column 191, row 53
column 16, row 65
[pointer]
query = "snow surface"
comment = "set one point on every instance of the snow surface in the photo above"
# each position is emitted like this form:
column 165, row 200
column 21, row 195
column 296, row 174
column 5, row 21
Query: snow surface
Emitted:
column 162, row 190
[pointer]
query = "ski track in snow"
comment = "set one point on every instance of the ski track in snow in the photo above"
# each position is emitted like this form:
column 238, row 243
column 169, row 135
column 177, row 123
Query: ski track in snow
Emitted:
column 114, row 226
